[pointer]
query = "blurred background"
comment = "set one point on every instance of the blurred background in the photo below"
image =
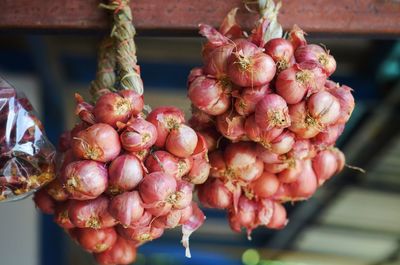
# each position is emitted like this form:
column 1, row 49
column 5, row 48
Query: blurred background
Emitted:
column 354, row 219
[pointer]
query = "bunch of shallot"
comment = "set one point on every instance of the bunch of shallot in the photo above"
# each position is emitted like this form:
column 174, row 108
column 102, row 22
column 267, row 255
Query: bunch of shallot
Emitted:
column 270, row 118
column 125, row 179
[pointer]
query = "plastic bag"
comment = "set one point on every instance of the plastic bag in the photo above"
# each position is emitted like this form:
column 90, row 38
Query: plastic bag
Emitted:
column 27, row 158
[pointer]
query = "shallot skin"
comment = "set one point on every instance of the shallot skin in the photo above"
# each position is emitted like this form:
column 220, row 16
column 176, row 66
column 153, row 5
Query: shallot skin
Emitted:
column 125, row 173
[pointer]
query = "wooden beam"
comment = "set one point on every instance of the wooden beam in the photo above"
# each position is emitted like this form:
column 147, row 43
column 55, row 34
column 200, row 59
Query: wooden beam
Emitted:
column 371, row 17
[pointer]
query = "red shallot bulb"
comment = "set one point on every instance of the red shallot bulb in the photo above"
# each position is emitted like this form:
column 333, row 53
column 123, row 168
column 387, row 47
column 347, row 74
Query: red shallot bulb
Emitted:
column 199, row 172
column 163, row 161
column 210, row 95
column 122, row 252
column 181, row 141
column 246, row 216
column 276, row 168
column 231, row 125
column 317, row 54
column 157, row 186
column 183, row 195
column 212, row 137
column 247, row 99
column 281, row 51
column 248, row 66
column 44, row 202
column 165, row 118
column 99, row 142
column 267, row 156
column 200, row 120
column 329, row 136
column 111, row 108
column 298, row 80
column 125, row 172
column 266, row 185
column 324, row 107
column 278, row 219
column 142, row 234
column 302, row 124
column 272, row 112
column 85, row 179
column 340, row 159
column 302, row 149
column 291, row 173
column 96, row 240
column 346, row 100
column 240, row 155
column 215, row 63
column 138, row 135
column 262, row 136
column 283, row 143
column 126, row 208
column 84, row 110
column 250, row 173
column 324, row 165
column 214, row 194
column 192, row 224
column 91, row 213
column 135, row 99
column 306, row 184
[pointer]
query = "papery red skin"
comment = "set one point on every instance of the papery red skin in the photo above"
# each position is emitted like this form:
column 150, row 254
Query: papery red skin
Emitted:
column 340, row 159
column 141, row 155
column 141, row 235
column 306, row 184
column 136, row 100
column 324, row 165
column 302, row 149
column 170, row 220
column 184, row 167
column 84, row 110
column 324, row 107
column 288, row 87
column 138, row 135
column 143, row 221
column 85, row 179
column 200, row 120
column 217, row 163
column 209, row 95
column 125, row 173
column 229, row 27
column 186, row 213
column 291, row 174
column 163, row 161
column 272, row 112
column 346, row 100
column 265, row 211
column 215, row 63
column 329, row 136
column 44, row 202
column 231, row 125
column 156, row 187
column 122, row 252
column 184, row 194
column 260, row 71
column 192, row 224
column 165, row 118
column 211, row 136
column 246, row 216
column 240, row 155
column 281, row 51
column 283, row 143
column 99, row 142
column 199, row 172
column 77, row 128
column 96, row 240
column 62, row 216
column 214, row 37
column 250, row 173
column 267, row 156
column 126, row 208
column 214, row 194
column 247, row 99
column 279, row 217
column 317, row 54
column 91, row 213
column 56, row 190
column 194, row 73
column 265, row 186
column 181, row 141
column 256, row 134
column 111, row 108
column 201, row 148
column 275, row 168
column 296, row 37
column 298, row 115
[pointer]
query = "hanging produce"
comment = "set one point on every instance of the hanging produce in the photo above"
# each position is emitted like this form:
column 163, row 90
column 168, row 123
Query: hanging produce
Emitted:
column 270, row 117
column 126, row 176
column 27, row 158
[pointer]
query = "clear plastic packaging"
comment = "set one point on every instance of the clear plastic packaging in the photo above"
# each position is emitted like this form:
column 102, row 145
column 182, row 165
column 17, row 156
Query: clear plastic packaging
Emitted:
column 27, row 158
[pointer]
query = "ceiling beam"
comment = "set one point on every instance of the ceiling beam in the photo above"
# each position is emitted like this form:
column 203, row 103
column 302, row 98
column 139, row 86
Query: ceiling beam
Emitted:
column 179, row 16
